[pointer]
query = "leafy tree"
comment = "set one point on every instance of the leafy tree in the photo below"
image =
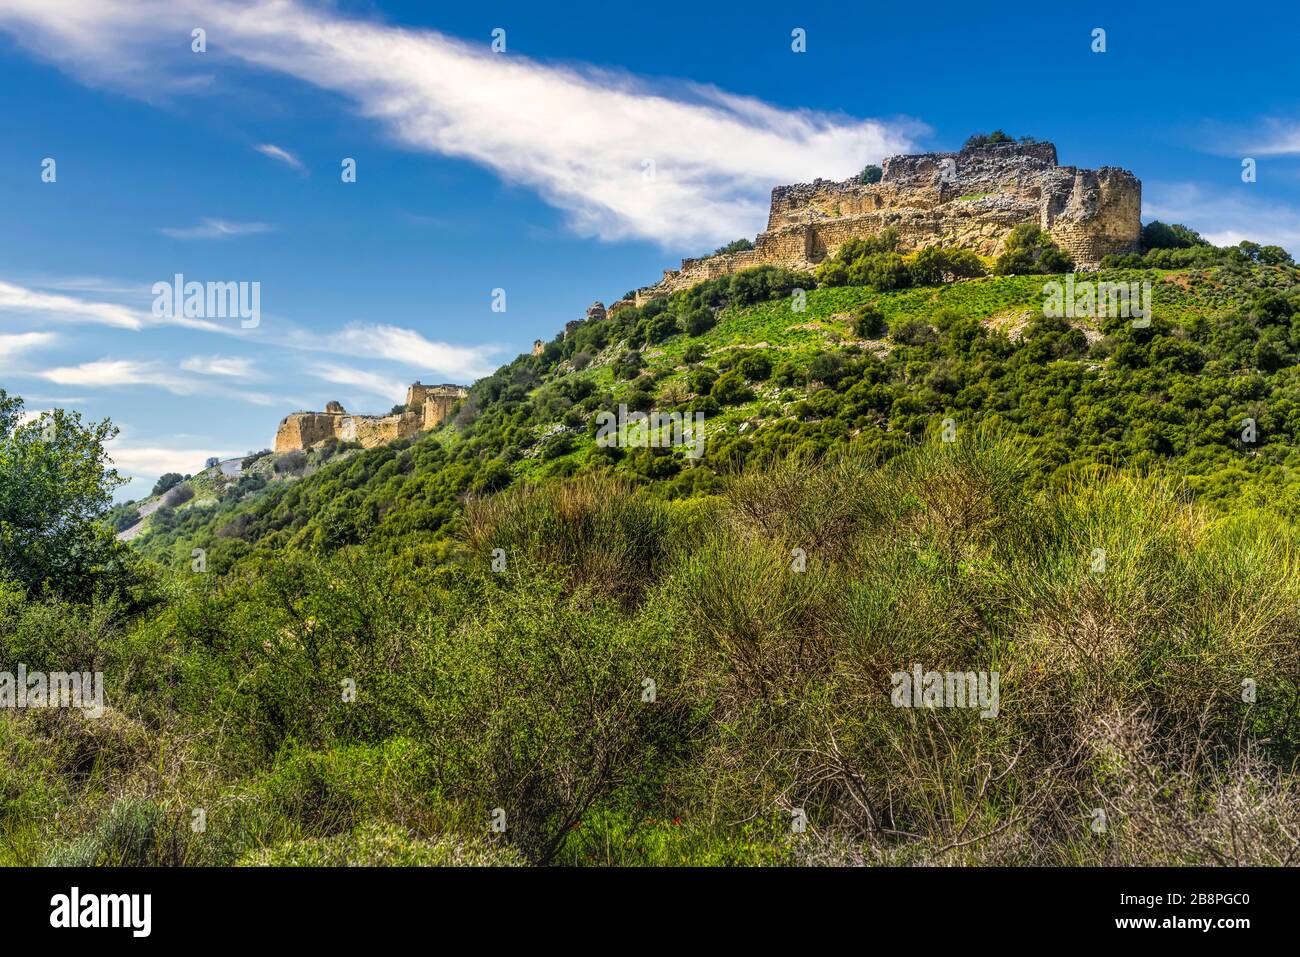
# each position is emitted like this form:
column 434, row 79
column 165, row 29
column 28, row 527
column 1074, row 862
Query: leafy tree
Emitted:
column 735, row 246
column 868, row 322
column 56, row 484
column 881, row 271
column 730, row 389
column 934, row 265
column 166, row 481
column 658, row 328
column 987, row 139
column 701, row 380
column 827, row 367
column 755, row 366
column 697, row 322
column 1030, row 250
column 628, row 365
column 914, row 332
column 871, row 173
column 850, row 267
column 291, row 462
column 1158, row 235
column 765, row 282
column 178, row 495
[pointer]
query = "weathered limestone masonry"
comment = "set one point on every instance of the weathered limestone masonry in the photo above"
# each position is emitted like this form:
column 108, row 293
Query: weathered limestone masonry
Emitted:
column 970, row 199
column 427, row 406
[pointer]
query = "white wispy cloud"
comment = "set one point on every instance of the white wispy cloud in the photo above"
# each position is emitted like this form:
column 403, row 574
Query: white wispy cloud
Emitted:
column 1225, row 217
column 1277, row 138
column 113, row 373
column 31, row 303
column 142, row 464
column 12, row 344
column 134, row 373
column 623, row 157
column 410, row 348
column 215, row 229
column 38, row 305
column 92, row 284
column 232, row 366
column 279, row 153
column 357, row 340
column 371, row 383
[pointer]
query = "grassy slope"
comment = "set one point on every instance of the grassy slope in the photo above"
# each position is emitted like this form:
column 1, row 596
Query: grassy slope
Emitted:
column 524, row 688
column 400, row 496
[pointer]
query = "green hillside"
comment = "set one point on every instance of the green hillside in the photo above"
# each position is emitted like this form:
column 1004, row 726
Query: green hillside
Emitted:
column 506, row 642
column 1222, row 347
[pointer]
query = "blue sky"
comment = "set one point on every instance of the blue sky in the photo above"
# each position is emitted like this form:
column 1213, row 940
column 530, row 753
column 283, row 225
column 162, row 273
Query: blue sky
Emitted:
column 523, row 171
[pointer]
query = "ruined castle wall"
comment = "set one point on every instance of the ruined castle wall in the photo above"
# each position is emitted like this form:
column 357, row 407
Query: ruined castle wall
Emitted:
column 302, row 430
column 789, row 245
column 372, row 430
column 969, row 199
column 438, row 405
column 1103, row 216
column 416, row 393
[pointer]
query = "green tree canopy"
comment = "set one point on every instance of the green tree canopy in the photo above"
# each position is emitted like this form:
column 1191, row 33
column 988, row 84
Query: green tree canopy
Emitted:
column 56, row 484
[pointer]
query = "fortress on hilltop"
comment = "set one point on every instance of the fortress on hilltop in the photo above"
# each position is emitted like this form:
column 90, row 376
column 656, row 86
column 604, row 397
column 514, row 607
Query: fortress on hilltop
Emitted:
column 427, row 407
column 970, row 199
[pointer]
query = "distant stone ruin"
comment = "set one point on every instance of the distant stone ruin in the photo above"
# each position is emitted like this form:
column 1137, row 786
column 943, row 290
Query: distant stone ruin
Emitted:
column 969, row 199
column 427, row 407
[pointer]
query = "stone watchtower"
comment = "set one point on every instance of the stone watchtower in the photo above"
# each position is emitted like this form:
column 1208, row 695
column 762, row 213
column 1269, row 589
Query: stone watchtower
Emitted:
column 433, row 403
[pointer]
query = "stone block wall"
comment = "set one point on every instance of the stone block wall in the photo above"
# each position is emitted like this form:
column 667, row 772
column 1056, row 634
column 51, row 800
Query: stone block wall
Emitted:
column 427, row 407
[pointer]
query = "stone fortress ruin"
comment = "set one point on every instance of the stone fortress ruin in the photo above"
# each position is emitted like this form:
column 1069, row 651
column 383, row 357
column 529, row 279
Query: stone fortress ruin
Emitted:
column 427, row 407
column 969, row 199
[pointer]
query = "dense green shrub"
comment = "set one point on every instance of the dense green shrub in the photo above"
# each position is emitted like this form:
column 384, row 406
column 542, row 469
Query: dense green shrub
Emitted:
column 730, row 389
column 868, row 321
column 697, row 322
column 871, row 173
column 934, row 264
column 1030, row 250
column 628, row 365
column 735, row 246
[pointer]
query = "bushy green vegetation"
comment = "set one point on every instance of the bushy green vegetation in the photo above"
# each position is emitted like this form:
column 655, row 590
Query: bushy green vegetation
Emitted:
column 993, row 139
column 168, row 481
column 871, row 173
column 649, row 682
column 884, row 367
column 735, row 246
column 1029, row 249
column 55, row 485
column 643, row 658
column 876, row 262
